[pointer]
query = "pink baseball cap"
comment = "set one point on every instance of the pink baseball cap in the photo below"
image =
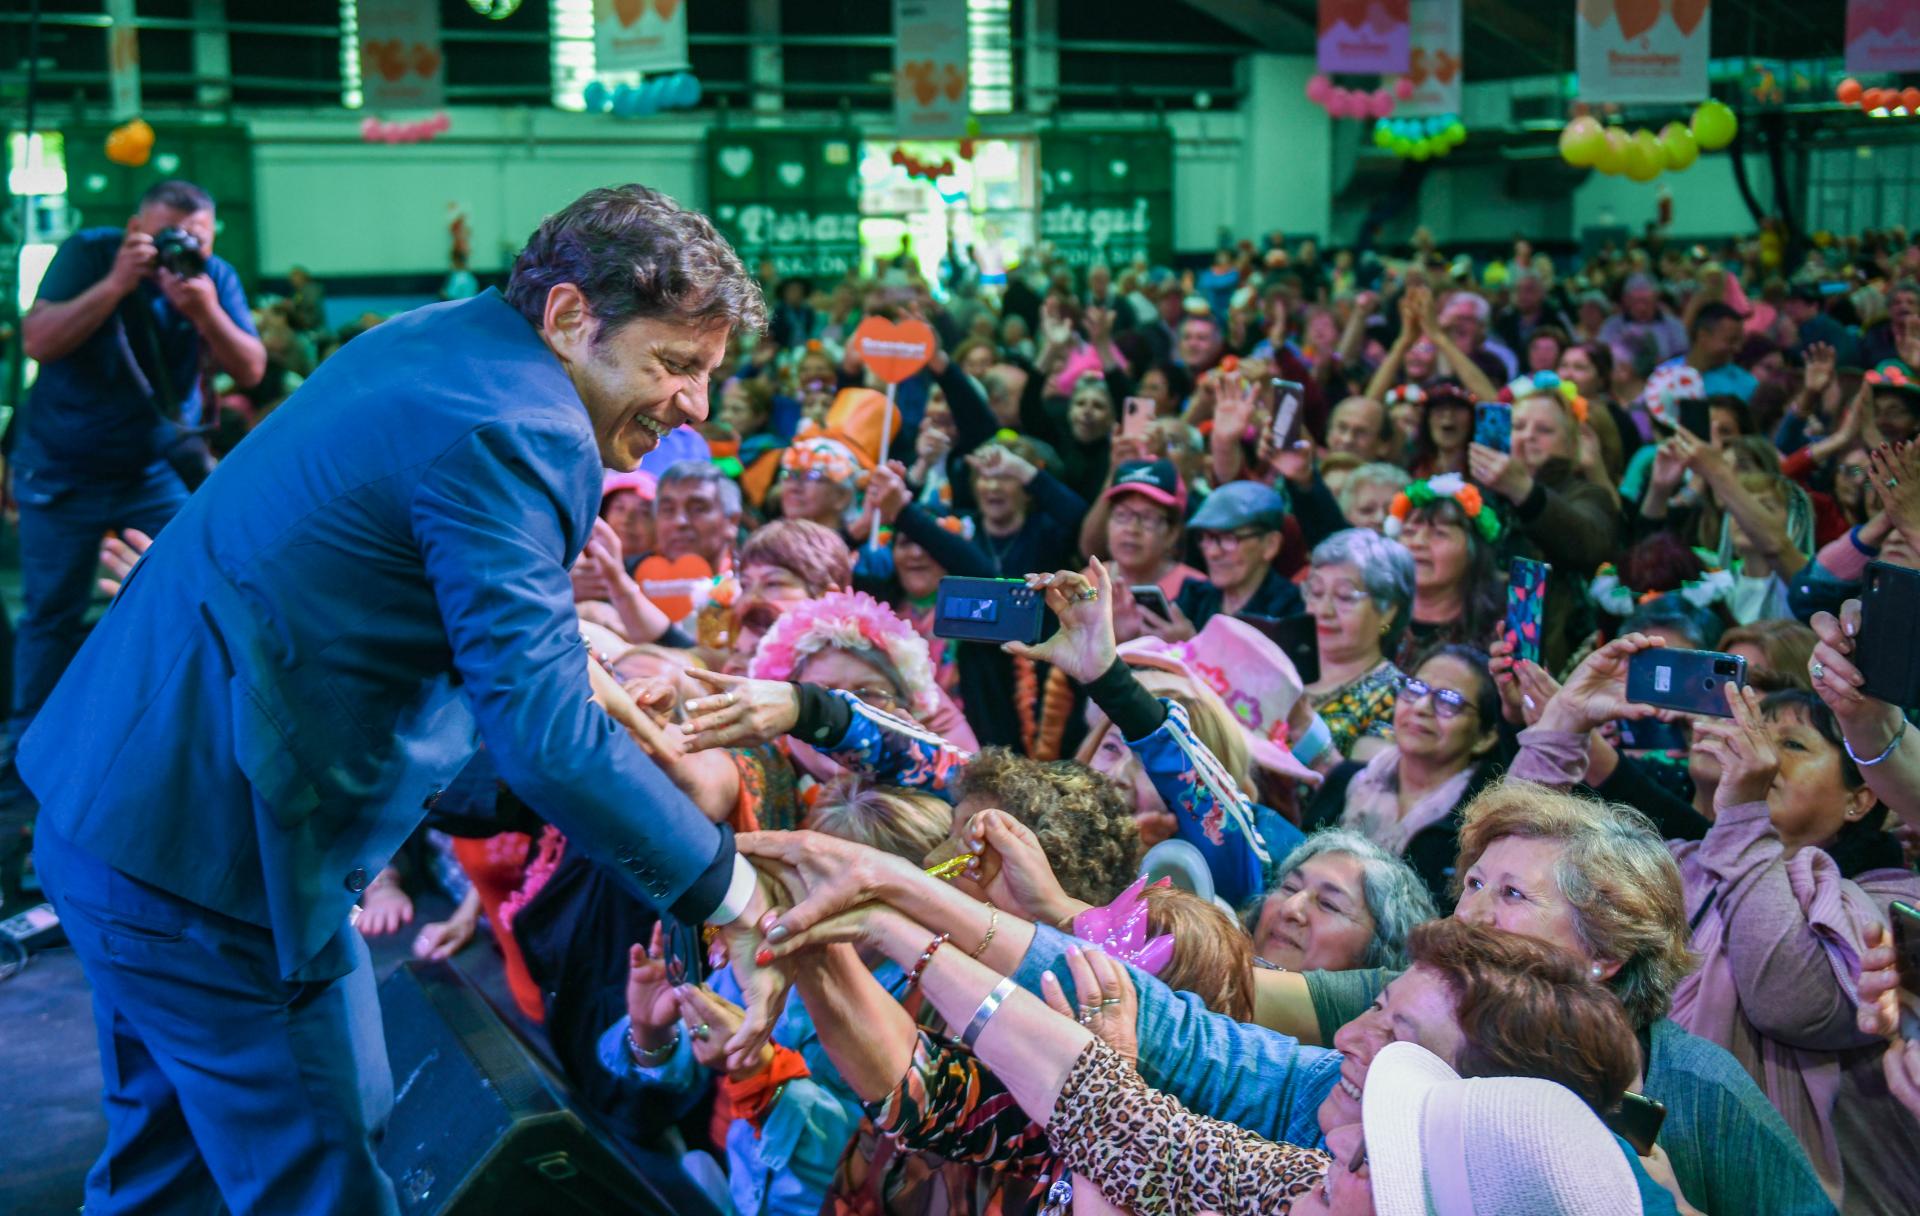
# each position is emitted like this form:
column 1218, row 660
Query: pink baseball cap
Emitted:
column 641, row 483
column 1154, row 479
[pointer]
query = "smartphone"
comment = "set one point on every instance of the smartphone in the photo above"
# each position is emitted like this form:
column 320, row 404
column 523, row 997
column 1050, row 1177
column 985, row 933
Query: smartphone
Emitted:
column 1887, row 650
column 1526, row 605
column 1637, row 1121
column 1154, row 600
column 1906, row 946
column 1297, row 637
column 1287, row 395
column 1692, row 681
column 1493, row 425
column 1697, row 416
column 987, row 610
column 1137, row 415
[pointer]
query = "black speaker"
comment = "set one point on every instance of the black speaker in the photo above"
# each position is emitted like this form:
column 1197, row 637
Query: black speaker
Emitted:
column 481, row 1125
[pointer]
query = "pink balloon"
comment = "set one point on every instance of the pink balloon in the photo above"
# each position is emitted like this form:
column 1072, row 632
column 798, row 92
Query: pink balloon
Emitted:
column 1403, row 88
column 368, row 127
column 442, row 122
column 1318, row 88
column 1336, row 102
column 1382, row 103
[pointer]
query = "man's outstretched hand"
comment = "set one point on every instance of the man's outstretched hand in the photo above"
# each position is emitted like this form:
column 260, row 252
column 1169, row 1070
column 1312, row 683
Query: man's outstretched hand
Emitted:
column 763, row 985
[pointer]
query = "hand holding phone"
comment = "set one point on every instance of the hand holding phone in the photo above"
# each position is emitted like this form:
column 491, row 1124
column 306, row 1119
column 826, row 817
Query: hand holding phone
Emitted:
column 1286, row 413
column 987, row 610
column 1887, row 648
column 1691, row 681
column 1136, row 417
column 1154, row 600
column 1493, row 426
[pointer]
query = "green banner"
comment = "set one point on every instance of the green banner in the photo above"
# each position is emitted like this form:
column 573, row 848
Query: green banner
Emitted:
column 1107, row 196
column 792, row 199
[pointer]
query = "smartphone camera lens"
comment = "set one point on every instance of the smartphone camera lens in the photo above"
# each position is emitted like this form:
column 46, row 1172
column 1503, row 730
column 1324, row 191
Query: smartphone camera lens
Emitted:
column 1709, row 683
column 1725, row 667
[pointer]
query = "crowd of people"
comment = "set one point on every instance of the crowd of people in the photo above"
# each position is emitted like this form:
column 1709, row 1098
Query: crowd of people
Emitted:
column 1276, row 877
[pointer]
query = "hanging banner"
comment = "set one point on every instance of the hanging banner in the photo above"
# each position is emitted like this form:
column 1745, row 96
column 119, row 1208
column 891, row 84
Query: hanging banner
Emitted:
column 930, row 69
column 1642, row 50
column 1433, row 58
column 123, row 59
column 400, row 63
column 1363, row 36
column 1883, row 36
column 639, row 36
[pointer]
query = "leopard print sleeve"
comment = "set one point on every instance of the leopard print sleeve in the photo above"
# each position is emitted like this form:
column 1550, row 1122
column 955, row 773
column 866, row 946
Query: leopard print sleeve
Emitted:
column 1151, row 1155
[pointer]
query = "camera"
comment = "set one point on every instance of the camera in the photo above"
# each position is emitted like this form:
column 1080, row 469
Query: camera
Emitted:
column 179, row 251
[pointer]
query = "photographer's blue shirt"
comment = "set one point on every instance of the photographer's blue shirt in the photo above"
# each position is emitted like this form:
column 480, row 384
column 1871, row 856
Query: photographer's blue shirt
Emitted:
column 92, row 415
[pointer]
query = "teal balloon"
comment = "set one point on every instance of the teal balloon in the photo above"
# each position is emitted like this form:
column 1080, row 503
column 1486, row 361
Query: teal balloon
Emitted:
column 689, row 93
column 596, row 96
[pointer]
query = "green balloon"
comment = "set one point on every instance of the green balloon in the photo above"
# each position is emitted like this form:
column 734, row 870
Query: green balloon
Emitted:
column 1382, row 137
column 1714, row 125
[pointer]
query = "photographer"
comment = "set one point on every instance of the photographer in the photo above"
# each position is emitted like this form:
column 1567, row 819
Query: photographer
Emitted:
column 123, row 325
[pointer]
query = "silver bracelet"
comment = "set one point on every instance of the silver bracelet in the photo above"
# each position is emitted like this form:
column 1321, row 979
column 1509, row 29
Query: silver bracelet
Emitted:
column 654, row 1057
column 989, row 1006
column 1892, row 743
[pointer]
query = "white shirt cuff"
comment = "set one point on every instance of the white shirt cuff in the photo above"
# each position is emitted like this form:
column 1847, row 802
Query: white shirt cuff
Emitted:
column 739, row 893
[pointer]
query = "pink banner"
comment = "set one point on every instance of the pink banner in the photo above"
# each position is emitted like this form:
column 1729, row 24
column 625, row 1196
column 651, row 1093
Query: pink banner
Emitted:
column 1642, row 50
column 1363, row 36
column 1883, row 36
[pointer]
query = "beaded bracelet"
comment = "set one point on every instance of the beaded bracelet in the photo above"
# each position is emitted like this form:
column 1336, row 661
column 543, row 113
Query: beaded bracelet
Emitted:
column 652, row 1057
column 913, row 976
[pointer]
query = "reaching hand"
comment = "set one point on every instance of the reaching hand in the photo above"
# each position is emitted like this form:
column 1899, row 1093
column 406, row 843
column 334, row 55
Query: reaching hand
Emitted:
column 1013, row 871
column 1499, row 472
column 384, row 906
column 1537, row 690
column 887, row 490
column 443, row 939
column 1895, row 471
column 1124, row 448
column 1819, row 371
column 1109, row 1006
column 1413, row 313
column 1056, row 328
column 118, row 554
column 741, row 712
column 1233, row 408
column 996, row 460
column 650, row 1004
column 1174, row 627
column 931, row 445
column 830, row 876
column 1867, row 721
column 1083, row 646
column 1742, row 747
column 1596, row 692
column 1669, row 465
column 711, row 1021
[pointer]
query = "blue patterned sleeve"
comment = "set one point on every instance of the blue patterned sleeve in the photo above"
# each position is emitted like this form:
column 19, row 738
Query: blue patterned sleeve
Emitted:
column 1212, row 814
column 896, row 751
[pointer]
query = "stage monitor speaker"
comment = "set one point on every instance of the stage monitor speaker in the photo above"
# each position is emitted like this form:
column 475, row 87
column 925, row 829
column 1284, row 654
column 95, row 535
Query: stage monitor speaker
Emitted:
column 480, row 1125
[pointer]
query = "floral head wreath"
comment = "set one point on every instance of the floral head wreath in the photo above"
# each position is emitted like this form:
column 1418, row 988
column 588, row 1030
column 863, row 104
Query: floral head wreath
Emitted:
column 1611, row 595
column 1406, row 394
column 1540, row 384
column 1894, row 374
column 820, row 459
column 1436, row 489
column 851, row 620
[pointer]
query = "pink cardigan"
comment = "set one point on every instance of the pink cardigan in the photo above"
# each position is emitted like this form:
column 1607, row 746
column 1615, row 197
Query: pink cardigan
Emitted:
column 1779, row 939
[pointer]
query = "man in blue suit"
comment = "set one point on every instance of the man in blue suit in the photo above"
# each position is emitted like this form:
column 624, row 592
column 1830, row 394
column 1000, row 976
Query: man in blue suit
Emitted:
column 374, row 583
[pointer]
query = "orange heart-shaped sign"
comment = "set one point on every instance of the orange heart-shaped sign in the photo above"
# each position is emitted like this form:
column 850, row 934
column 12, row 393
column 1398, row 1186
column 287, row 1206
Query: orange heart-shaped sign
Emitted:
column 626, row 12
column 956, row 83
column 426, row 60
column 1596, row 11
column 1687, row 14
column 674, row 585
column 1636, row 16
column 1445, row 66
column 1417, row 66
column 893, row 351
column 666, row 8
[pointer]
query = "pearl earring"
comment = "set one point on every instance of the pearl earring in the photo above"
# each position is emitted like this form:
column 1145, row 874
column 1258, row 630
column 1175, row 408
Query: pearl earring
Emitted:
column 1594, row 971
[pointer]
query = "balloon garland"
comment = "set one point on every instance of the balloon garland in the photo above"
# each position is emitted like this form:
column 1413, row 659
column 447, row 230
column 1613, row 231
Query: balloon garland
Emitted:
column 678, row 91
column 927, row 170
column 1643, row 155
column 380, row 131
column 1340, row 102
column 1420, row 138
column 1879, row 103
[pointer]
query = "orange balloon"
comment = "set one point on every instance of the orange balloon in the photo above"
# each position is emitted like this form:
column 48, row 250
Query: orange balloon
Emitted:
column 1910, row 98
column 1873, row 99
column 1849, row 92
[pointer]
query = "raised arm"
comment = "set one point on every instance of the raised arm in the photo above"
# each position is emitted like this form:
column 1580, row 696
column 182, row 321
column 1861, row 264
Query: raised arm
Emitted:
column 1875, row 731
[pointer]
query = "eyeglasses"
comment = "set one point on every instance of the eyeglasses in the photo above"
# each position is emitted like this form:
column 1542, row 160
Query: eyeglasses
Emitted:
column 1854, row 472
column 1447, row 704
column 880, row 698
column 1345, row 597
column 1229, row 541
column 1140, row 521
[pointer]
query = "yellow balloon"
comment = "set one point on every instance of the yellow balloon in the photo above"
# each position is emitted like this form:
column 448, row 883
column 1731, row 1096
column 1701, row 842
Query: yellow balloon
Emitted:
column 1613, row 153
column 1678, row 146
column 1714, row 125
column 1644, row 157
column 1581, row 141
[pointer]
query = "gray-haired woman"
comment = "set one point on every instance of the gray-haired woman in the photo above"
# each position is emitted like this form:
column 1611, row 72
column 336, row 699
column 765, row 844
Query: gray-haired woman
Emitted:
column 1359, row 591
column 1338, row 902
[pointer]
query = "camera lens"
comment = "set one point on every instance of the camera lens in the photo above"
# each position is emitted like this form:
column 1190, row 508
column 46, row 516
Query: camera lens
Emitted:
column 1708, row 683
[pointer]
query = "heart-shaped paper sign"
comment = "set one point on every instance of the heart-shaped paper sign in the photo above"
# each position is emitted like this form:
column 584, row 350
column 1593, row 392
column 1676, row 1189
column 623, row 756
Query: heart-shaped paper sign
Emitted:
column 792, row 174
column 673, row 584
column 1687, row 14
column 893, row 351
column 1636, row 16
column 735, row 162
column 1596, row 11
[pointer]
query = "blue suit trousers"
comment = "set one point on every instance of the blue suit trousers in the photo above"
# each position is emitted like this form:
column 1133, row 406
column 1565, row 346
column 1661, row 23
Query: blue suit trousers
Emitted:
column 223, row 1083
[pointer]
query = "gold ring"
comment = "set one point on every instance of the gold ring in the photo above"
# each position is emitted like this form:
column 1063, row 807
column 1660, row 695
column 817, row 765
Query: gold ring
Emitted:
column 1087, row 595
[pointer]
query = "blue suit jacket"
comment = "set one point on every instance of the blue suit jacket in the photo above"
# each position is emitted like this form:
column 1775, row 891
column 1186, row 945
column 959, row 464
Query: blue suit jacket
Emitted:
column 296, row 669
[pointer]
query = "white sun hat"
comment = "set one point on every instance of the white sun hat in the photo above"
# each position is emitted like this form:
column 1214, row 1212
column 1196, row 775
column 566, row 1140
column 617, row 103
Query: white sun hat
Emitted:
column 1438, row 1145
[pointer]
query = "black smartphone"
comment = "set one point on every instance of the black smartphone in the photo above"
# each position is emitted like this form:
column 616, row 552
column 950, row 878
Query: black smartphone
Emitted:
column 1493, row 425
column 1906, row 946
column 1887, row 650
column 1692, row 681
column 988, row 610
column 1297, row 637
column 1637, row 1121
column 1697, row 416
column 1154, row 600
column 1526, row 605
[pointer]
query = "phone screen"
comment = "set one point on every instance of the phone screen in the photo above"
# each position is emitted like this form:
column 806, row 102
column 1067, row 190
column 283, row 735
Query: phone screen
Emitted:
column 1286, row 412
column 1526, row 606
column 1906, row 944
column 1493, row 425
column 1154, row 600
column 1137, row 416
